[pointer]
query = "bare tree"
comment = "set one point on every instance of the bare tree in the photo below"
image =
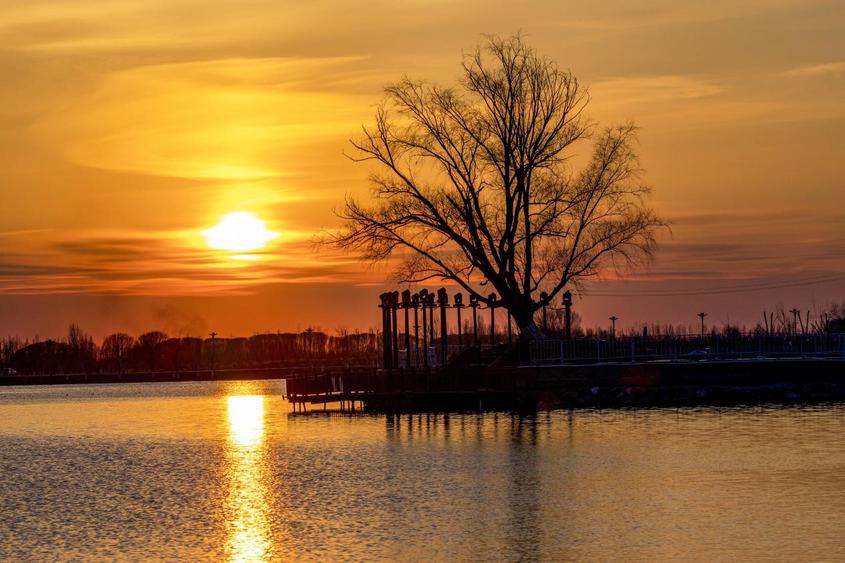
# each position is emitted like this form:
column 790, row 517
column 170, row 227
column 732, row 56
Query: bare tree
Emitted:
column 116, row 348
column 82, row 351
column 147, row 345
column 8, row 346
column 474, row 183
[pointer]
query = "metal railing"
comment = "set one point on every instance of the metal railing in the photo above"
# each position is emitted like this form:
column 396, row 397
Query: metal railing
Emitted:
column 593, row 350
column 417, row 360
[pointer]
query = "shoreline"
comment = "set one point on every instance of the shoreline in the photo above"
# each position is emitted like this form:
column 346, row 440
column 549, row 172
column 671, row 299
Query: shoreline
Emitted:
column 150, row 377
column 708, row 383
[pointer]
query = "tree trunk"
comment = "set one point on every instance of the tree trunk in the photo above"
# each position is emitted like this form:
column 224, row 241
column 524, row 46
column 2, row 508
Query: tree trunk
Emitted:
column 528, row 329
column 531, row 332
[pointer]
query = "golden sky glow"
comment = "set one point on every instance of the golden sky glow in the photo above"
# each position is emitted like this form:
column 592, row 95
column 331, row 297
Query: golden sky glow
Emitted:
column 129, row 128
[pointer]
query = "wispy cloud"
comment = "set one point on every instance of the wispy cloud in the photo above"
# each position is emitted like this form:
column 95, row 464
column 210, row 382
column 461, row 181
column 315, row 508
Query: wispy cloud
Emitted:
column 168, row 263
column 836, row 69
column 653, row 89
column 234, row 119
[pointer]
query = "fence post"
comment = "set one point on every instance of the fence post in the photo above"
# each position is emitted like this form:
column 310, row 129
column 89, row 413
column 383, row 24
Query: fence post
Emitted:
column 459, row 304
column 567, row 309
column 632, row 350
column 406, row 302
column 473, row 303
column 431, row 307
column 394, row 308
column 492, row 297
column 386, row 331
column 443, row 301
column 415, row 299
column 424, row 302
column 560, row 345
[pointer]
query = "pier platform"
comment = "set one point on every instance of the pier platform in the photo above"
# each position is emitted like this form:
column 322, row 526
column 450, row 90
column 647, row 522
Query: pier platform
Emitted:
column 611, row 384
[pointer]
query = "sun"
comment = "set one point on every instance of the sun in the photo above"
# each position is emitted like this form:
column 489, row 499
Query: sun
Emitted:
column 239, row 231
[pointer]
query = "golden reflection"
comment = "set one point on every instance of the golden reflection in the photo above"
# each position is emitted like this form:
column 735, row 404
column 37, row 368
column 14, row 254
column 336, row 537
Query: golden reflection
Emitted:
column 247, row 507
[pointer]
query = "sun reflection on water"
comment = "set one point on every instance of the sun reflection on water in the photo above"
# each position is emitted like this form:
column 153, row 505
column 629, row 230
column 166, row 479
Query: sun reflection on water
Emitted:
column 247, row 508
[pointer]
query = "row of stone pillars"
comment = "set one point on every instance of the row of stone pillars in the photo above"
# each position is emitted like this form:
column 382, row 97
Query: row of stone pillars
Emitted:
column 423, row 305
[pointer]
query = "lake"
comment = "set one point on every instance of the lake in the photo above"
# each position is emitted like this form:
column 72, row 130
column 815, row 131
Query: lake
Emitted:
column 224, row 471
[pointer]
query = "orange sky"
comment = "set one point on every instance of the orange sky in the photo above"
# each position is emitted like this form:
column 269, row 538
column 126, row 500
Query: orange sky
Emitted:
column 128, row 128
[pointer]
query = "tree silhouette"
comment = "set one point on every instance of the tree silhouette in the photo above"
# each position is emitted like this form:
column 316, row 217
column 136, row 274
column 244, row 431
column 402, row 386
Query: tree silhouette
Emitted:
column 115, row 349
column 474, row 183
column 147, row 345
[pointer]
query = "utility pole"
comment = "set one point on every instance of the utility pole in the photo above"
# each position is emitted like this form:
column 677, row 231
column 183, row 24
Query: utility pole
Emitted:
column 213, row 335
column 795, row 313
column 701, row 316
column 613, row 320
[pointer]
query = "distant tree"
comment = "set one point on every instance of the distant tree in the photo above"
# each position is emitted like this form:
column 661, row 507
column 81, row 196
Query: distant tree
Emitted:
column 46, row 357
column 147, row 347
column 82, row 350
column 474, row 184
column 8, row 346
column 731, row 332
column 836, row 325
column 115, row 349
column 190, row 353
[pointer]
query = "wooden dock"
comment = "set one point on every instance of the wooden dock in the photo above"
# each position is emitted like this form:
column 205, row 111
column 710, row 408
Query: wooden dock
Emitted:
column 664, row 383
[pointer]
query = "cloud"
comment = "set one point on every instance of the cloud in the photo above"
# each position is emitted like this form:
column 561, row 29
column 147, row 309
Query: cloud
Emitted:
column 233, row 119
column 164, row 263
column 654, row 90
column 835, row 69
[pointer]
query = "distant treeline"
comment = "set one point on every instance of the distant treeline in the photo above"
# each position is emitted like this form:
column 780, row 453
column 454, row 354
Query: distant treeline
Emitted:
column 155, row 351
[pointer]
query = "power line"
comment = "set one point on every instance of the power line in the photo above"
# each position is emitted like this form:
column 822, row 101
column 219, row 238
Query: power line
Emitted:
column 719, row 290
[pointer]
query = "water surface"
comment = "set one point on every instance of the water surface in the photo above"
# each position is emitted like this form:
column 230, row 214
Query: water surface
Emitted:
column 224, row 471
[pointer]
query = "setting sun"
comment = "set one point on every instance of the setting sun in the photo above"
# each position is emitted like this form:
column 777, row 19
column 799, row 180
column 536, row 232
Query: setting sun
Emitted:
column 239, row 231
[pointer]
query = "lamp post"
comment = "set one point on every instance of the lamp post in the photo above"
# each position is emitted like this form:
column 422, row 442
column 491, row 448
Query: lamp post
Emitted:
column 386, row 331
column 567, row 309
column 431, row 307
column 415, row 300
column 492, row 298
column 424, row 303
column 406, row 303
column 443, row 302
column 394, row 307
column 473, row 304
column 613, row 320
column 459, row 304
